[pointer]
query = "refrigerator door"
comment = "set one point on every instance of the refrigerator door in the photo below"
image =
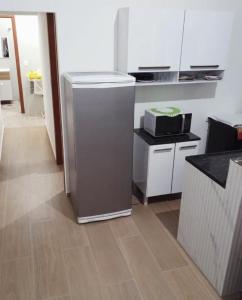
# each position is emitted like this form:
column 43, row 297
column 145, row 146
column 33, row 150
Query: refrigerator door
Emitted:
column 103, row 134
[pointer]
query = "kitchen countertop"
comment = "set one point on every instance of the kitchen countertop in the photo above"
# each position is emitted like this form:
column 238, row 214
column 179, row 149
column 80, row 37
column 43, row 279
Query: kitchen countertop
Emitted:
column 215, row 165
column 150, row 140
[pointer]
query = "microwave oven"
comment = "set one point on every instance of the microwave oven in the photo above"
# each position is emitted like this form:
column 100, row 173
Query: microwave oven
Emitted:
column 159, row 125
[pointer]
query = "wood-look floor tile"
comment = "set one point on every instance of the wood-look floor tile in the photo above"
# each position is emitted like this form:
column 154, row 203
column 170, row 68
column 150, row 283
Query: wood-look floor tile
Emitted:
column 44, row 238
column 157, row 239
column 123, row 227
column 50, row 277
column 62, row 206
column 3, row 191
column 175, row 204
column 200, row 279
column 62, row 298
column 123, row 291
column 145, row 270
column 15, row 240
column 58, row 234
column 185, row 285
column 42, row 212
column 111, row 264
column 170, row 220
column 82, row 274
column 18, row 202
column 70, row 234
column 16, row 280
column 3, row 202
column 158, row 207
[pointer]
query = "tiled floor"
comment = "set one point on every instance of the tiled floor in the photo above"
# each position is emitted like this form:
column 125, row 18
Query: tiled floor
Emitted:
column 170, row 219
column 45, row 255
column 12, row 117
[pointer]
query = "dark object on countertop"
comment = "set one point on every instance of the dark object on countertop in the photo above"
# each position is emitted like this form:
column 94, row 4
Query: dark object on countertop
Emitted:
column 150, row 140
column 221, row 137
column 215, row 165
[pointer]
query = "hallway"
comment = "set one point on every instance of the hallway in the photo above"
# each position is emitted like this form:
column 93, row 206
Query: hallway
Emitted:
column 45, row 255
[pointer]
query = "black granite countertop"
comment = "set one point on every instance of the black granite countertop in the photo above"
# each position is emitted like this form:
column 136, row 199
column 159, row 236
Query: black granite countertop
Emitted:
column 150, row 140
column 215, row 165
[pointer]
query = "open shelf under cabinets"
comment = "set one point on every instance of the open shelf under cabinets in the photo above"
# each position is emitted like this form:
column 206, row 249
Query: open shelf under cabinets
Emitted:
column 178, row 78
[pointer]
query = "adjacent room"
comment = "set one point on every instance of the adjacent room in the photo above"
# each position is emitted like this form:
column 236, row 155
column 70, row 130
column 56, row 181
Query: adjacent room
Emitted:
column 24, row 66
column 121, row 150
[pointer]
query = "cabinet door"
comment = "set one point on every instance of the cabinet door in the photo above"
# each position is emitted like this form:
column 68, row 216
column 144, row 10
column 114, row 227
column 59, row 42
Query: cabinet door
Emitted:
column 160, row 167
column 206, row 40
column 5, row 90
column 181, row 152
column 155, row 38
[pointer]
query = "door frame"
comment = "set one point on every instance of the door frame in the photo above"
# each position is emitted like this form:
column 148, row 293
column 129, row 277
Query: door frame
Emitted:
column 55, row 85
column 17, row 60
column 54, row 72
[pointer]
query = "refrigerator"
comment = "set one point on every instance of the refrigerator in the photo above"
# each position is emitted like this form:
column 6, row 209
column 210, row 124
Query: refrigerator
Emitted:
column 100, row 120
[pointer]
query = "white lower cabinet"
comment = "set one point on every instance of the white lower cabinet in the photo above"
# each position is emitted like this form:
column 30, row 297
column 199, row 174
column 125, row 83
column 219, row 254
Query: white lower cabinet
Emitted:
column 159, row 169
column 160, row 166
column 6, row 90
column 182, row 151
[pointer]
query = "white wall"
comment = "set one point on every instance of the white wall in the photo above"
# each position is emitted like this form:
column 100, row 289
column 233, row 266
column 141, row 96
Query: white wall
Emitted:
column 10, row 62
column 45, row 70
column 86, row 42
column 29, row 55
column 1, row 131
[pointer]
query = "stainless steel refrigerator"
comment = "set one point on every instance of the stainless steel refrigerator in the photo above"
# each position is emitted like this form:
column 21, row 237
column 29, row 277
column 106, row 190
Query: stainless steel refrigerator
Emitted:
column 100, row 120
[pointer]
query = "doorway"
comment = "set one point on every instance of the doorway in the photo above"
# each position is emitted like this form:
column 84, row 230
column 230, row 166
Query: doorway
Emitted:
column 28, row 77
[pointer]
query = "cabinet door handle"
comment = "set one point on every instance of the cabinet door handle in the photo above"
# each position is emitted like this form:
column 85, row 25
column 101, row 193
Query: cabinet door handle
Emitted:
column 163, row 150
column 188, row 147
column 155, row 68
column 205, row 67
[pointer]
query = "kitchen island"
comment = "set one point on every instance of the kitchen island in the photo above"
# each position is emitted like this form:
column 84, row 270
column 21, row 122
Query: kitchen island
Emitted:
column 210, row 225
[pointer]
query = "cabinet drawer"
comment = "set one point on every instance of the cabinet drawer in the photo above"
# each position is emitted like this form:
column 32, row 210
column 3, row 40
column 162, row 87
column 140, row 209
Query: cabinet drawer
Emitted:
column 160, row 170
column 5, row 90
column 182, row 150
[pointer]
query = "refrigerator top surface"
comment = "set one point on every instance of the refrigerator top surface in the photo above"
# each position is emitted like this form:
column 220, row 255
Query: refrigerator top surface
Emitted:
column 98, row 77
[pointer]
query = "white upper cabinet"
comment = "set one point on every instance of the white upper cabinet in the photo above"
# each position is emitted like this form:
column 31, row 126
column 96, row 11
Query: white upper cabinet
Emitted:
column 149, row 40
column 206, row 40
column 6, row 90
